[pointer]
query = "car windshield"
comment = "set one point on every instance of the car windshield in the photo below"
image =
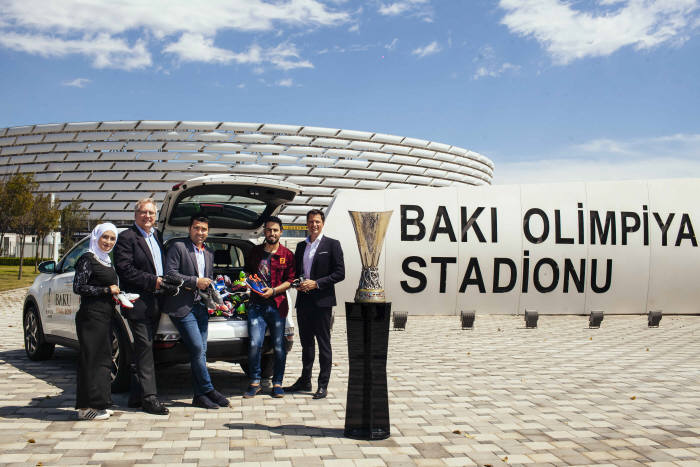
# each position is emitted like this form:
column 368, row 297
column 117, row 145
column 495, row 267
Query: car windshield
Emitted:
column 223, row 210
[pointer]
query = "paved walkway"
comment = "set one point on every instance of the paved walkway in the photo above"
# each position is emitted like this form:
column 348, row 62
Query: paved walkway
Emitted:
column 500, row 394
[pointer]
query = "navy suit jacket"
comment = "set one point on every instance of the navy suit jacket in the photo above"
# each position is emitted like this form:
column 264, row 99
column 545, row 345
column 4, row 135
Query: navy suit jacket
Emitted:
column 133, row 262
column 327, row 269
column 180, row 260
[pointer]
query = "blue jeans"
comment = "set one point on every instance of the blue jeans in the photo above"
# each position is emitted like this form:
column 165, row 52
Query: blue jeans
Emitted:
column 193, row 329
column 260, row 317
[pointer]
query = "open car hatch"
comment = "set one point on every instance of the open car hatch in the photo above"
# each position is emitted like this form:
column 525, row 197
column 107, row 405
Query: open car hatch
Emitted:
column 235, row 205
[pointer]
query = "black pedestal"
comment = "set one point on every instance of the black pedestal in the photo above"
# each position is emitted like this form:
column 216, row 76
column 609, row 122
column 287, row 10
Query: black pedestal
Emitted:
column 367, row 409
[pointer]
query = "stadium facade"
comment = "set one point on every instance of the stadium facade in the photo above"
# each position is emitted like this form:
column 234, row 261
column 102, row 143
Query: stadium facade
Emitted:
column 109, row 165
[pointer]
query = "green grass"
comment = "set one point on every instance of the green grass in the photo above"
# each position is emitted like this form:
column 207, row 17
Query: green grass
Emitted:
column 8, row 277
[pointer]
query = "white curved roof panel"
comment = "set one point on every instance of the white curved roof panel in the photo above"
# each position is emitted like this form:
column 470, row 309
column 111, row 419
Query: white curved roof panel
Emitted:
column 201, row 126
column 211, row 136
column 313, row 161
column 49, row 128
column 352, row 134
column 239, row 126
column 29, row 139
column 120, row 125
column 318, row 131
column 35, row 148
column 293, row 140
column 389, row 139
column 156, row 125
column 81, row 126
column 127, row 160
column 20, row 130
column 59, row 137
column 274, row 128
column 371, row 185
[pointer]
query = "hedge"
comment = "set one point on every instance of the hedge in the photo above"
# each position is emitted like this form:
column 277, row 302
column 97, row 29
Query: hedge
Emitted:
column 10, row 261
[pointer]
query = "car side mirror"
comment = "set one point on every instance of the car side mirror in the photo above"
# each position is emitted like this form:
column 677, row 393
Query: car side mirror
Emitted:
column 47, row 267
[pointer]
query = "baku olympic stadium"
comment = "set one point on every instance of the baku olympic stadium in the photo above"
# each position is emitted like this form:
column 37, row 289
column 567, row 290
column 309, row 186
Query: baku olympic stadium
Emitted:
column 108, row 166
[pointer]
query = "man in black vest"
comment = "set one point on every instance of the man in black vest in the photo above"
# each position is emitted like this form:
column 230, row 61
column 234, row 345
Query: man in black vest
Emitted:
column 138, row 260
column 319, row 260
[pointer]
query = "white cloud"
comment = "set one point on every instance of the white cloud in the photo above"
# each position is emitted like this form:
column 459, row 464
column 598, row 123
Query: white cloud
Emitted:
column 569, row 34
column 77, row 82
column 429, row 49
column 98, row 28
column 672, row 156
column 286, row 57
column 494, row 72
column 286, row 83
column 104, row 50
column 419, row 8
column 198, row 48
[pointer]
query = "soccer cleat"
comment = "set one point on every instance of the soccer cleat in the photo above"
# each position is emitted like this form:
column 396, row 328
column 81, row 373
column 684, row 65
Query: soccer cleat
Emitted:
column 126, row 299
column 93, row 414
column 255, row 284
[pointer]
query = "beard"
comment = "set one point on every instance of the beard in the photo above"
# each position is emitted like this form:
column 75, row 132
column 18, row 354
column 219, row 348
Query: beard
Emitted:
column 271, row 241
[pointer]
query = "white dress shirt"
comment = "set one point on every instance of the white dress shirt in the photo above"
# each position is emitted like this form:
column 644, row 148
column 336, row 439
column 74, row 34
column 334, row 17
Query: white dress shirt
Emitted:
column 309, row 254
column 155, row 249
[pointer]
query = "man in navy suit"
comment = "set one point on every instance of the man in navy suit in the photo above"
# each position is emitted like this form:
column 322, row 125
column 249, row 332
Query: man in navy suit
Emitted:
column 319, row 261
column 138, row 260
column 193, row 262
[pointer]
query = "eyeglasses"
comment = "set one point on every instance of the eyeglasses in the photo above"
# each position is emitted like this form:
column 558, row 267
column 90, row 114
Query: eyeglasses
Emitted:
column 146, row 213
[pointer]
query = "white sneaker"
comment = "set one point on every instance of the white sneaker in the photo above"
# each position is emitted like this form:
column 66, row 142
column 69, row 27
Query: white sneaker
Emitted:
column 93, row 414
column 126, row 299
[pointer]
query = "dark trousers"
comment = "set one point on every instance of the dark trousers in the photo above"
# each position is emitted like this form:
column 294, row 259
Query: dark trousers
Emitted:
column 143, row 372
column 315, row 324
column 94, row 331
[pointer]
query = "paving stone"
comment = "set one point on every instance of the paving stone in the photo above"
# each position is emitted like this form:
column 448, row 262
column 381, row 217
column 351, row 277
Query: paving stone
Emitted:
column 560, row 395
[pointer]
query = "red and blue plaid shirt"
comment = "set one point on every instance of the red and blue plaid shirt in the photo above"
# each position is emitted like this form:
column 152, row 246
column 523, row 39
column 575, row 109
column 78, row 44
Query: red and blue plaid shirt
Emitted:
column 281, row 270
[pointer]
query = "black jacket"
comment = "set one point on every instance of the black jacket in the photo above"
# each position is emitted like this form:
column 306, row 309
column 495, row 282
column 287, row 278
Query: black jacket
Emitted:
column 327, row 269
column 133, row 262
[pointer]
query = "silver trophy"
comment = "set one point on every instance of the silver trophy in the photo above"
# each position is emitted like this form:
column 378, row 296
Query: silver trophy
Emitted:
column 370, row 229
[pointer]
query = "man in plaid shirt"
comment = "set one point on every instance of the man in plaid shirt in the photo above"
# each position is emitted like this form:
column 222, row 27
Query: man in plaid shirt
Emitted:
column 274, row 265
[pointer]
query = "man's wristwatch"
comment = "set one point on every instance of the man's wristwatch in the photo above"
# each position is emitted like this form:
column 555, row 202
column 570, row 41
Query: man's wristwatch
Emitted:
column 106, row 290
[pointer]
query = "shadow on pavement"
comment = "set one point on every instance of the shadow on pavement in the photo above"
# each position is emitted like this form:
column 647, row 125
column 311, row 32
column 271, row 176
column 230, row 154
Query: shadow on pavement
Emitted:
column 290, row 430
column 174, row 385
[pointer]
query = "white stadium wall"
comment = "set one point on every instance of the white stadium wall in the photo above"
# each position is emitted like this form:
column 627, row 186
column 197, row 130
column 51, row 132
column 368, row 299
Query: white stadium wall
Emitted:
column 108, row 166
column 570, row 248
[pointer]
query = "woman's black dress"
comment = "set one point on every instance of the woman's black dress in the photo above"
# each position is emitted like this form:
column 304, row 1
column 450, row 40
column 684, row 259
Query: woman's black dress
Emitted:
column 93, row 323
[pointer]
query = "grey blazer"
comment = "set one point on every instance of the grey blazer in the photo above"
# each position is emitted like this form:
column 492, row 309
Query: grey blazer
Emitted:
column 180, row 260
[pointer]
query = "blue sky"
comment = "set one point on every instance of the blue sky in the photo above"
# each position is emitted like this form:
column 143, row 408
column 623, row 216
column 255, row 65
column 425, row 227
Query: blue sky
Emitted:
column 549, row 90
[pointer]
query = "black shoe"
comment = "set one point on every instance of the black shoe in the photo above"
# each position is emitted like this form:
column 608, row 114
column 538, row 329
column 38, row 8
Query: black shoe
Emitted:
column 299, row 385
column 320, row 393
column 216, row 397
column 154, row 406
column 204, row 402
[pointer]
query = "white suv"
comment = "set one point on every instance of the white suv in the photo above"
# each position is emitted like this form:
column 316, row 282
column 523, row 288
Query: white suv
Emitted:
column 236, row 207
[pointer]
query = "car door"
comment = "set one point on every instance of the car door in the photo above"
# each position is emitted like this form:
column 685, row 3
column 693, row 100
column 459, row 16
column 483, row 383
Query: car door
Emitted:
column 63, row 303
column 235, row 205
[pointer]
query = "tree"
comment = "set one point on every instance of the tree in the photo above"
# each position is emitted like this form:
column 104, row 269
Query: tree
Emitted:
column 22, row 223
column 45, row 218
column 15, row 197
column 74, row 218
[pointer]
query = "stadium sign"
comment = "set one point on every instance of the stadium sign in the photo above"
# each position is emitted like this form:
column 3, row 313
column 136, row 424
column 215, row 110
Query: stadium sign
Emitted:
column 621, row 247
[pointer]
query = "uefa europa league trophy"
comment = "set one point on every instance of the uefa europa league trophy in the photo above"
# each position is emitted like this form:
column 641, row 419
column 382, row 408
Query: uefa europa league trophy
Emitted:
column 367, row 318
column 370, row 229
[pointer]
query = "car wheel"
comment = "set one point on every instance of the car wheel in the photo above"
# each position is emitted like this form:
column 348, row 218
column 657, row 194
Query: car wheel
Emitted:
column 121, row 359
column 35, row 344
